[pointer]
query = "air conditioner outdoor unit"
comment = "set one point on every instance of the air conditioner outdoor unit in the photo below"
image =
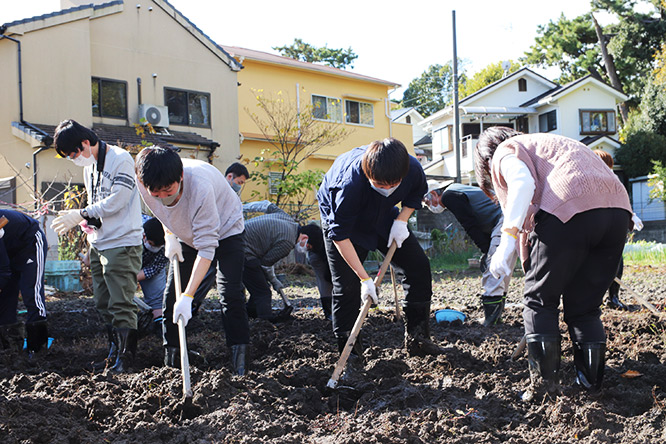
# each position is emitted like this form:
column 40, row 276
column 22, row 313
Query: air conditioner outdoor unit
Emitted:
column 155, row 115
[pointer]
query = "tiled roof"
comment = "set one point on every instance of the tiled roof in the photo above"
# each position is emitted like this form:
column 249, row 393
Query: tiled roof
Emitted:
column 62, row 12
column 425, row 140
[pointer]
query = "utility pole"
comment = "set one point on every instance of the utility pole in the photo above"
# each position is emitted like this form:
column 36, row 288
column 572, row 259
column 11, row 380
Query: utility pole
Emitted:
column 456, row 112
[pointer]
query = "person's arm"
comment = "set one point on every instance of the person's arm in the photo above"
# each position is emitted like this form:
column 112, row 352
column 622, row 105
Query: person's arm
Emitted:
column 201, row 266
column 122, row 186
column 5, row 270
column 263, row 206
column 520, row 186
column 348, row 253
column 278, row 250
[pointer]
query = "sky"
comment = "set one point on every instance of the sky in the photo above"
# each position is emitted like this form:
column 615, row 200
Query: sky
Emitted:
column 394, row 40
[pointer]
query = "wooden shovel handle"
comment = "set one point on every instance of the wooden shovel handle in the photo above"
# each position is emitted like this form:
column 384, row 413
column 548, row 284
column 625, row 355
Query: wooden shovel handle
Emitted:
column 184, row 359
column 3, row 221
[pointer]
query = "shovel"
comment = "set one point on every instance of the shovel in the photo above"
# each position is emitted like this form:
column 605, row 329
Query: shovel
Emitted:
column 342, row 361
column 288, row 308
column 184, row 361
column 639, row 298
column 398, row 316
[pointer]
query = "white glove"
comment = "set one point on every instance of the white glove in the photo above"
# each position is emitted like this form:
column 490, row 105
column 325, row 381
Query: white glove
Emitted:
column 66, row 220
column 183, row 307
column 638, row 224
column 399, row 233
column 499, row 263
column 368, row 290
column 2, row 233
column 269, row 272
column 172, row 247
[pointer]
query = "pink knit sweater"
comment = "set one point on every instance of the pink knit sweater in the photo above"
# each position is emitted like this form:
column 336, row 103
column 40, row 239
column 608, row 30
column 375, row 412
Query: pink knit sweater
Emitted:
column 569, row 177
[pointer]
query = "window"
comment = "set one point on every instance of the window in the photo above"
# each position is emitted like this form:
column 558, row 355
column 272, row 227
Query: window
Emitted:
column 359, row 112
column 522, row 124
column 188, row 108
column 547, row 121
column 7, row 192
column 522, row 85
column 408, row 119
column 109, row 98
column 327, row 108
column 597, row 122
column 274, row 179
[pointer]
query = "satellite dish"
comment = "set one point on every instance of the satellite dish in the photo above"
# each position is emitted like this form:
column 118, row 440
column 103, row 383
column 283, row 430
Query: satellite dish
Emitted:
column 506, row 65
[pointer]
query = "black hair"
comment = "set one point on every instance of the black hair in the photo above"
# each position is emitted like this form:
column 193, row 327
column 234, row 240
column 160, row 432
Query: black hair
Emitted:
column 154, row 231
column 157, row 167
column 68, row 137
column 238, row 169
column 488, row 142
column 386, row 162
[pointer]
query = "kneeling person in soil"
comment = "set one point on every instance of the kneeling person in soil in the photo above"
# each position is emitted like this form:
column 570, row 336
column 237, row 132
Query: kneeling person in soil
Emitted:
column 203, row 222
column 357, row 201
column 22, row 257
column 572, row 215
column 482, row 220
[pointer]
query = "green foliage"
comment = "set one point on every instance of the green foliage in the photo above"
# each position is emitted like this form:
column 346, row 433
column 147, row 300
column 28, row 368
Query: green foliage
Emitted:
column 656, row 181
column 639, row 150
column 449, row 241
column 337, row 58
column 485, row 77
column 433, row 90
column 452, row 261
column 653, row 107
column 74, row 241
column 644, row 253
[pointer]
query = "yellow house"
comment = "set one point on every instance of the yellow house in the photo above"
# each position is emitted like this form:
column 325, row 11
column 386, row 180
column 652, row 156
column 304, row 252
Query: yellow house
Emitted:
column 358, row 104
column 109, row 65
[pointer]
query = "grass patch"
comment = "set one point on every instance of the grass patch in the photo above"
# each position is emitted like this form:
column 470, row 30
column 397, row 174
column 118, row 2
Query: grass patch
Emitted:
column 644, row 253
column 452, row 261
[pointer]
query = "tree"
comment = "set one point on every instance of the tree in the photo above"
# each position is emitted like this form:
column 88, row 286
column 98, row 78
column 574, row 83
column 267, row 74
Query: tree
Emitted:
column 485, row 77
column 337, row 58
column 656, row 181
column 432, row 91
column 639, row 150
column 295, row 134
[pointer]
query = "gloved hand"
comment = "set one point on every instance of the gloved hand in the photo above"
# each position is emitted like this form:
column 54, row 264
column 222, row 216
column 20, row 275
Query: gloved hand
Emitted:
column 399, row 233
column 368, row 290
column 172, row 247
column 277, row 285
column 66, row 220
column 638, row 224
column 183, row 307
column 499, row 262
column 2, row 233
column 269, row 272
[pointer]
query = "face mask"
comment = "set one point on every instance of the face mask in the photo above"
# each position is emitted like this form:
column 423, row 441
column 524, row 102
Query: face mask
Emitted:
column 302, row 246
column 150, row 247
column 81, row 161
column 169, row 200
column 235, row 187
column 436, row 208
column 386, row 192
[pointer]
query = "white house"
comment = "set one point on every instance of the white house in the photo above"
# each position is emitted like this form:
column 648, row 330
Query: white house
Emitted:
column 420, row 137
column 584, row 110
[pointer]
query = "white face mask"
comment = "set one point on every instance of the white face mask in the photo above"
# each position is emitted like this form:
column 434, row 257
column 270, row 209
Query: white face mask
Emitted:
column 150, row 247
column 235, row 187
column 428, row 200
column 81, row 161
column 436, row 208
column 169, row 200
column 302, row 246
column 386, row 192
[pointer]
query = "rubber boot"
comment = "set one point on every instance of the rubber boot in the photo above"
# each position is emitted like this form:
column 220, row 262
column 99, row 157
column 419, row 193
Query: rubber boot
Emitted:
column 126, row 340
column 171, row 357
column 11, row 336
column 492, row 309
column 239, row 355
column 113, row 351
column 417, row 330
column 326, row 304
column 614, row 297
column 544, row 357
column 37, row 335
column 590, row 360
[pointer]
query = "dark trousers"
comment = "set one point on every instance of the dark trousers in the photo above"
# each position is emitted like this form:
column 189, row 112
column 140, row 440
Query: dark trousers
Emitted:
column 229, row 256
column 410, row 258
column 576, row 260
column 255, row 281
column 27, row 277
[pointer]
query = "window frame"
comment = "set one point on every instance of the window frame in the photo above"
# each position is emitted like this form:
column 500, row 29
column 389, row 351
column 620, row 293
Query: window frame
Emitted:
column 100, row 100
column 583, row 132
column 548, row 121
column 346, row 114
column 187, row 102
column 334, row 120
column 522, row 85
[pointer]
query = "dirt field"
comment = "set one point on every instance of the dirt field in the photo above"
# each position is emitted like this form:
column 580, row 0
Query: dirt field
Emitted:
column 471, row 394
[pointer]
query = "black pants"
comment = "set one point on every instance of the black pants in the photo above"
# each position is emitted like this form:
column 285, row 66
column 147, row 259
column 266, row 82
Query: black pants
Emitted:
column 229, row 255
column 255, row 281
column 576, row 260
column 410, row 258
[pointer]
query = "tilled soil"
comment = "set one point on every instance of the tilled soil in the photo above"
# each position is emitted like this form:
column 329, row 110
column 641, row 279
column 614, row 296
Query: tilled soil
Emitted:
column 469, row 394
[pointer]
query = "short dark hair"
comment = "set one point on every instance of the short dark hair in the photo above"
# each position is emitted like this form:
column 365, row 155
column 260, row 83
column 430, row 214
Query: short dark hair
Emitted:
column 68, row 137
column 154, row 231
column 488, row 142
column 385, row 162
column 238, row 169
column 315, row 237
column 157, row 167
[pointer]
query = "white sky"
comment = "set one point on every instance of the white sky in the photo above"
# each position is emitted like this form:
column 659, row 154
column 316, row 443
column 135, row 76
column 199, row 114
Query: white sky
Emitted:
column 395, row 40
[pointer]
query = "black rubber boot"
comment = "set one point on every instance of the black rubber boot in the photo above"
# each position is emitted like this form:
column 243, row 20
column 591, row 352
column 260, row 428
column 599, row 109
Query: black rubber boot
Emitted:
column 326, row 304
column 590, row 360
column 239, row 355
column 172, row 357
column 11, row 337
column 417, row 330
column 110, row 359
column 357, row 349
column 493, row 306
column 37, row 335
column 543, row 357
column 126, row 339
column 614, row 298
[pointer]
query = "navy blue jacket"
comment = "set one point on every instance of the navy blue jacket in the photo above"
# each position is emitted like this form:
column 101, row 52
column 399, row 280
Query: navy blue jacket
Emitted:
column 17, row 243
column 351, row 209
